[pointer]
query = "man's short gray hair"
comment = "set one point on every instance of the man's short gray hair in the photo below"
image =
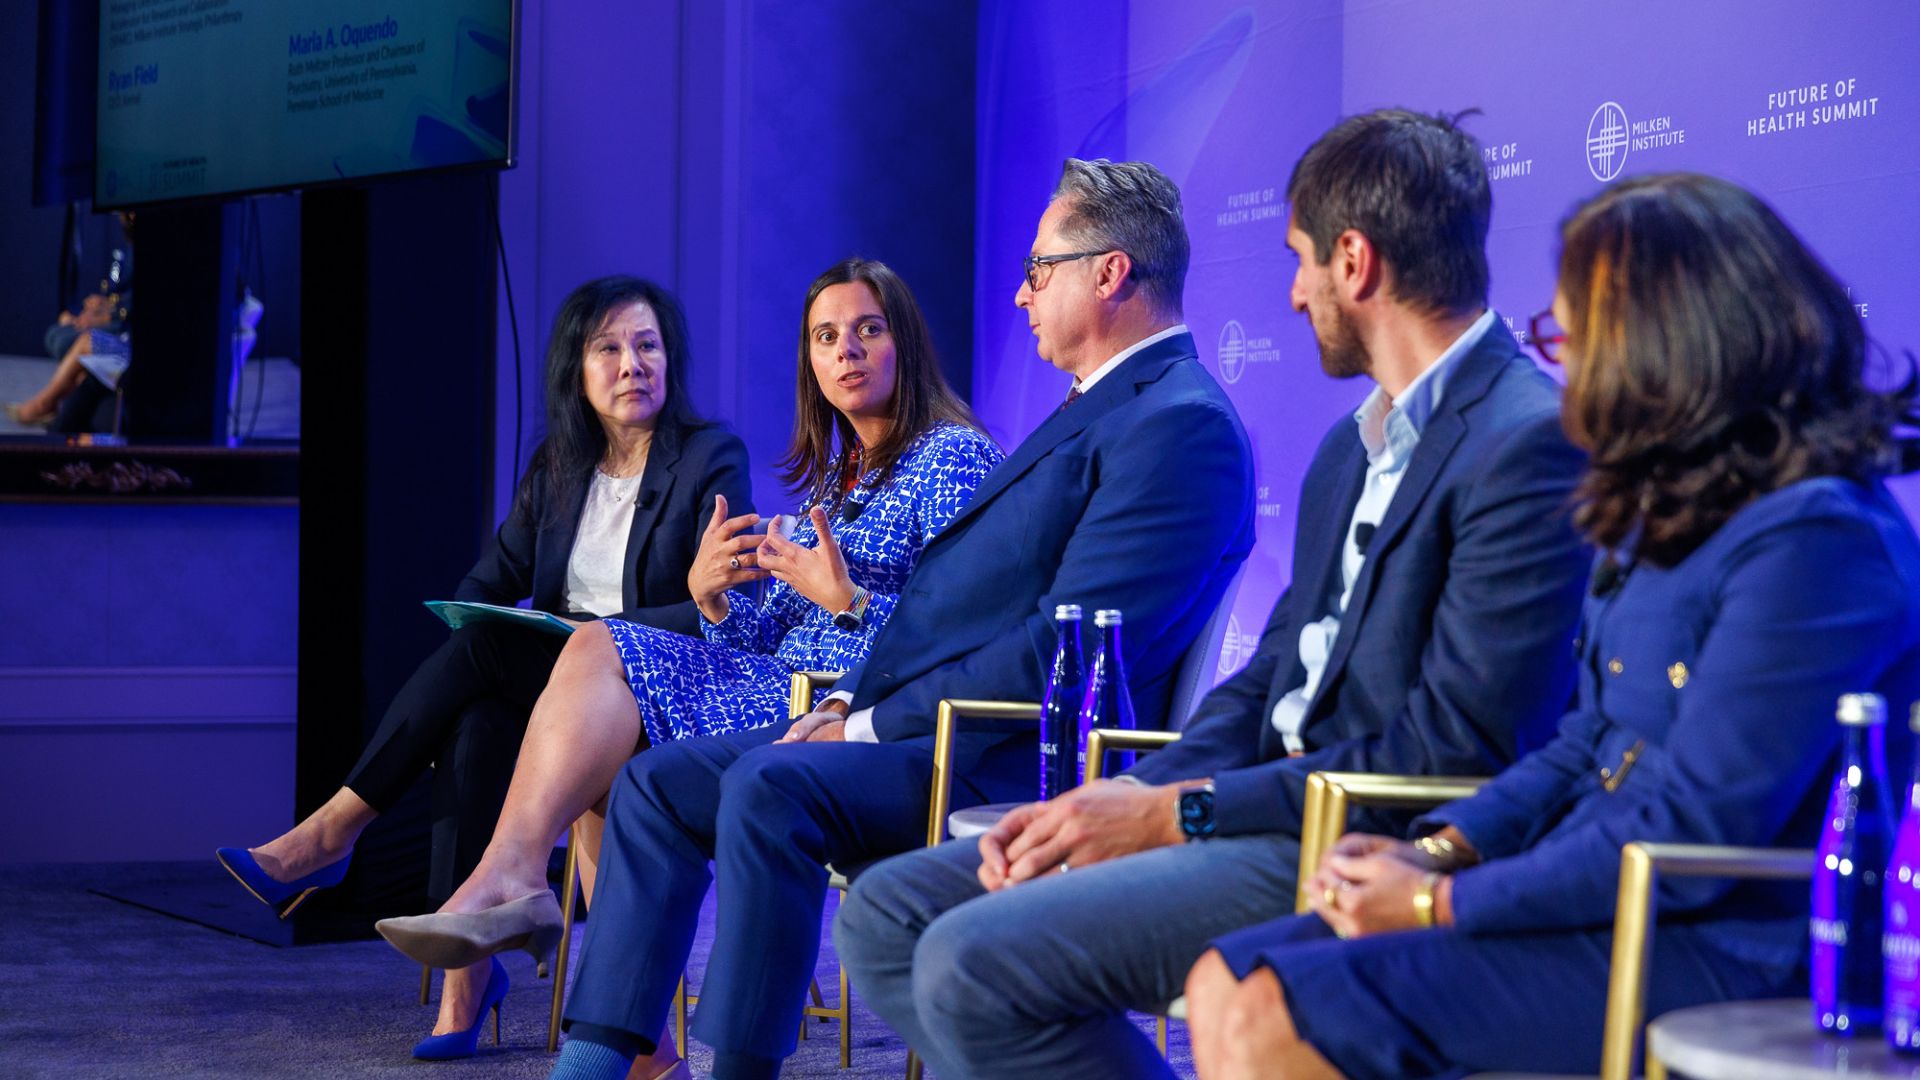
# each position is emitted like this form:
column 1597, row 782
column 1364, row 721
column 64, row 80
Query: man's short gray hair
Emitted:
column 1129, row 206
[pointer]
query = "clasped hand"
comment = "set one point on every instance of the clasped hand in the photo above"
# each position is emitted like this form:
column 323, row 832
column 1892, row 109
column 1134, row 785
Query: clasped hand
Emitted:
column 820, row 725
column 1366, row 885
column 818, row 573
column 1097, row 821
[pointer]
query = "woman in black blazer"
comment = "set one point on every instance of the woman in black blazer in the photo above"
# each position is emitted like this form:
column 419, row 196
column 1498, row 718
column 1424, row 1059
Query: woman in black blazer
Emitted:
column 623, row 443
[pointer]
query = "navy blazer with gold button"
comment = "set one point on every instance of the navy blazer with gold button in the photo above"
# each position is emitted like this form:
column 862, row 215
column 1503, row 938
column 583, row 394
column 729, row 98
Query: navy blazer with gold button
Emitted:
column 1706, row 716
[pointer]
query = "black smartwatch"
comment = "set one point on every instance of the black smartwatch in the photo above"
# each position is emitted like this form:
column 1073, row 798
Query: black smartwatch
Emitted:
column 1196, row 811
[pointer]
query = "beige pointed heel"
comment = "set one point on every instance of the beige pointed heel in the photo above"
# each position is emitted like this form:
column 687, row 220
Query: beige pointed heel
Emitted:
column 451, row 940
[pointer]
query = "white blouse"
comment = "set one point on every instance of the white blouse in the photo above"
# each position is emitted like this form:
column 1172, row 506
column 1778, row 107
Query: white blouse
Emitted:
column 596, row 567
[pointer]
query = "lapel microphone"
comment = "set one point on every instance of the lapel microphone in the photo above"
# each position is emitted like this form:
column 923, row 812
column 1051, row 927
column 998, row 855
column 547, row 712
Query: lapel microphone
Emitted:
column 852, row 510
column 1607, row 578
column 1363, row 535
column 646, row 498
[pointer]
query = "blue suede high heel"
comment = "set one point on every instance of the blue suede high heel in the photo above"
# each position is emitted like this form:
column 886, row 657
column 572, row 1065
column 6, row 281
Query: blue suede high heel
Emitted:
column 281, row 896
column 464, row 1044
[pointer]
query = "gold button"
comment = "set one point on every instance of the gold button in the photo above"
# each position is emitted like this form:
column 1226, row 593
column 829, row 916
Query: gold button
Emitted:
column 1677, row 675
column 1614, row 665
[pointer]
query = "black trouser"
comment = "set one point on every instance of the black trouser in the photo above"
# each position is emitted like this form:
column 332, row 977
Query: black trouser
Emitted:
column 463, row 711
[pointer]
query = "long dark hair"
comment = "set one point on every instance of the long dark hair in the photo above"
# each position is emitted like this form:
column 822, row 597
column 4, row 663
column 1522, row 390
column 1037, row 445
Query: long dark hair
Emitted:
column 1716, row 360
column 921, row 396
column 575, row 441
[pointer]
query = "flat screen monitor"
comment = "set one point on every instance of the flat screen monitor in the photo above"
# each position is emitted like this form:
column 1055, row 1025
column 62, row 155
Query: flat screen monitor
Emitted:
column 204, row 98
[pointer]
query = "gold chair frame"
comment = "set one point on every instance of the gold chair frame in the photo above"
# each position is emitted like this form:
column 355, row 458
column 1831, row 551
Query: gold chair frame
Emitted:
column 1641, row 865
column 1331, row 794
column 1099, row 742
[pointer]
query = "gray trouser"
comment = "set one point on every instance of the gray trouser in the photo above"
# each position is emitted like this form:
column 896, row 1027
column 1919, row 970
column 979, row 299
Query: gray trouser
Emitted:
column 1035, row 979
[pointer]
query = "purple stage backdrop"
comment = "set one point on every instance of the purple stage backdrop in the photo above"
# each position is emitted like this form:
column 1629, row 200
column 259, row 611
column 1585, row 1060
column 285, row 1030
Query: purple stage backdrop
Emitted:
column 1814, row 110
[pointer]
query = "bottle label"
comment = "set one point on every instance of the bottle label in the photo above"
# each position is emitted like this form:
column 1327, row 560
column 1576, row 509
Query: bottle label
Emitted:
column 1902, row 952
column 1829, row 932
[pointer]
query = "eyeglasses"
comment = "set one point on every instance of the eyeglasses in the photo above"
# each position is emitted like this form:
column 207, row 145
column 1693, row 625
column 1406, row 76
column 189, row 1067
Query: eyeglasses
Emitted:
column 1033, row 263
column 1546, row 336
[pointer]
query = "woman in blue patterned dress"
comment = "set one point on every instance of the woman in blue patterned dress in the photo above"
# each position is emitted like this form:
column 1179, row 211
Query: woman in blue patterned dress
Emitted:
column 887, row 455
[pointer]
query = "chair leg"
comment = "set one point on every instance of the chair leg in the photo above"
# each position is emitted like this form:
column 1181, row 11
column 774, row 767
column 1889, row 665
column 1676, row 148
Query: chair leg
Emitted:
column 1160, row 1034
column 913, row 1064
column 570, row 880
column 426, row 982
column 680, row 1014
column 846, row 1021
column 813, row 988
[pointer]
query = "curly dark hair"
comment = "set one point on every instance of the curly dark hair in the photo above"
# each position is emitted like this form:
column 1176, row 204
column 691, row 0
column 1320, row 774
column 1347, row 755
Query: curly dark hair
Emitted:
column 921, row 396
column 1715, row 359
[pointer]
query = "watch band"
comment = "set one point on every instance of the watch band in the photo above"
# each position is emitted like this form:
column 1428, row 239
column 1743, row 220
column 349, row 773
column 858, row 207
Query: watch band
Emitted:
column 1423, row 900
column 856, row 613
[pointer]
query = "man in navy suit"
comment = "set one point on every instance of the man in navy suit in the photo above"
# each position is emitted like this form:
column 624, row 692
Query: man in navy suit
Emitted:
column 1137, row 494
column 1428, row 629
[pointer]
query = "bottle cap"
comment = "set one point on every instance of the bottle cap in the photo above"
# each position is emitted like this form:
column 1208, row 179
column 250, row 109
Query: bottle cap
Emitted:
column 1066, row 611
column 1862, row 710
column 1107, row 617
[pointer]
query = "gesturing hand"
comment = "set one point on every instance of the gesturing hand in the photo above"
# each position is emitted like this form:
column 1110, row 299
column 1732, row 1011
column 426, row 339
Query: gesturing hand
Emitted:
column 1094, row 822
column 725, row 559
column 818, row 573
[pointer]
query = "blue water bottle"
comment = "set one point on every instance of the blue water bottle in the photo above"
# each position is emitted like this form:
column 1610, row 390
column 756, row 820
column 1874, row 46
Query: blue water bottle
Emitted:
column 1107, row 703
column 1060, row 708
column 1901, row 943
column 1848, row 875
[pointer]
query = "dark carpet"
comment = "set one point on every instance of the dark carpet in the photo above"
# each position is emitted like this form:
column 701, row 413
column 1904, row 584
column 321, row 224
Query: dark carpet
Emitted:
column 91, row 987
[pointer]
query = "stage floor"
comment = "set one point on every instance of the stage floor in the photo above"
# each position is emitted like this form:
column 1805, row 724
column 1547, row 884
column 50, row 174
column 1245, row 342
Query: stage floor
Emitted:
column 91, row 987
column 273, row 381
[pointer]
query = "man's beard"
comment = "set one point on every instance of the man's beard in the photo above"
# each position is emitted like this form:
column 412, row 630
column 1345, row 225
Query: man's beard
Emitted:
column 1342, row 354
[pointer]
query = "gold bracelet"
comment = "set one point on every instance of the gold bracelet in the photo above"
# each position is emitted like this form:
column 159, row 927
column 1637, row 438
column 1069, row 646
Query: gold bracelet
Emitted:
column 1423, row 900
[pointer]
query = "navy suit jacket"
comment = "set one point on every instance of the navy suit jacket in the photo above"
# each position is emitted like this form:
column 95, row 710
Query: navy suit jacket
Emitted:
column 1723, row 669
column 1453, row 656
column 1138, row 496
column 528, row 555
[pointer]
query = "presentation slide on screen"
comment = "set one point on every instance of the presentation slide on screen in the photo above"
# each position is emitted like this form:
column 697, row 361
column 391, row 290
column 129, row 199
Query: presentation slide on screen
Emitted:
column 202, row 97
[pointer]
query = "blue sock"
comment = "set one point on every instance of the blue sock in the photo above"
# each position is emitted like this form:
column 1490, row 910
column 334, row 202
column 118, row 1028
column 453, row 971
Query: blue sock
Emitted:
column 584, row 1059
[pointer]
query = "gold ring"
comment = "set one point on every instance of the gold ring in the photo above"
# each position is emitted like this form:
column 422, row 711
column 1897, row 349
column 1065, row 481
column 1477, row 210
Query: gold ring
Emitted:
column 1332, row 898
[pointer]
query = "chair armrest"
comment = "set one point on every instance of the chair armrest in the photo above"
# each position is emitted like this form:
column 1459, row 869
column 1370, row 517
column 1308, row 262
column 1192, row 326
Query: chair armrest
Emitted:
column 805, row 685
column 951, row 711
column 1101, row 740
column 1331, row 794
column 1641, row 865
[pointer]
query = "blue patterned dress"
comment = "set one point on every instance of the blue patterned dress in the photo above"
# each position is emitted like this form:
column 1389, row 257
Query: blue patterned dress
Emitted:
column 738, row 677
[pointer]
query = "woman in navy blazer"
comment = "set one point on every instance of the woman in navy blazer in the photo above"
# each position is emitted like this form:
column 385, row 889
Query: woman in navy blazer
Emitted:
column 1756, row 569
column 627, row 457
